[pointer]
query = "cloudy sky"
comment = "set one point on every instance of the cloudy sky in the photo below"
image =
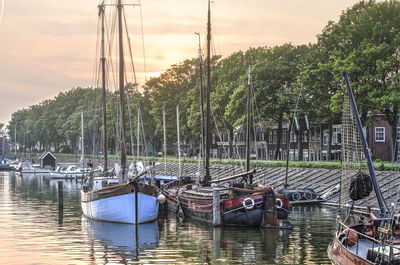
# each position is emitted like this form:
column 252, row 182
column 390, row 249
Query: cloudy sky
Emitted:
column 48, row 46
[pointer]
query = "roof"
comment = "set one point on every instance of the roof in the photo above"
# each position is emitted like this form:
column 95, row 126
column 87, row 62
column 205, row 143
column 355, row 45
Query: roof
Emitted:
column 46, row 154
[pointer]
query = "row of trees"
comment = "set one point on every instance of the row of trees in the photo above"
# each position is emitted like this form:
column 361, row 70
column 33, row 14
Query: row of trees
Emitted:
column 365, row 42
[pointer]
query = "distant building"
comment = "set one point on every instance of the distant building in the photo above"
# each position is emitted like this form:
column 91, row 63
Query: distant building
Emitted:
column 47, row 159
column 308, row 141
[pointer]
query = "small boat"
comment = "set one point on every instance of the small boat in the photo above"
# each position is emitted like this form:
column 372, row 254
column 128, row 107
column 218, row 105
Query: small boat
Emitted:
column 369, row 240
column 28, row 168
column 298, row 196
column 4, row 166
column 73, row 171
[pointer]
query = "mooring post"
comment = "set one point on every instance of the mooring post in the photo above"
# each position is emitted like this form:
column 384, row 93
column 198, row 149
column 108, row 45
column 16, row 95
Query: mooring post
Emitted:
column 216, row 207
column 60, row 194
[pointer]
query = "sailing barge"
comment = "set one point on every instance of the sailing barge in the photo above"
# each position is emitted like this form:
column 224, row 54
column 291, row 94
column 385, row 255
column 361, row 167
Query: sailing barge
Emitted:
column 233, row 206
column 239, row 204
column 118, row 198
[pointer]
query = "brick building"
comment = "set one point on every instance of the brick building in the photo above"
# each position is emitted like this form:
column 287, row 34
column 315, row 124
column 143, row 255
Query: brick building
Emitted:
column 308, row 141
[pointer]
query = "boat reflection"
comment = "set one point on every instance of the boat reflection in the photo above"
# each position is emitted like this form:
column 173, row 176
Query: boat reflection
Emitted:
column 225, row 244
column 121, row 243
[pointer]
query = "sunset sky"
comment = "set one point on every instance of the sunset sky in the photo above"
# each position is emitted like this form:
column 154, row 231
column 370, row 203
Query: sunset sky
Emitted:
column 48, row 46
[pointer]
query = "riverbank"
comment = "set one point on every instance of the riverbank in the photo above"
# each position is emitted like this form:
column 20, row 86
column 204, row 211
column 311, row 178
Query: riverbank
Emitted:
column 75, row 158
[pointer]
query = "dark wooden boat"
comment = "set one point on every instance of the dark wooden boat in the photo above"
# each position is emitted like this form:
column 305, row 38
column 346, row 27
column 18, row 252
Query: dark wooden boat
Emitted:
column 369, row 240
column 232, row 206
column 236, row 204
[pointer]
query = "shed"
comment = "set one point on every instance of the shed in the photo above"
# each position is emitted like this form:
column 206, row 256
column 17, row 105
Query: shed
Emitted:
column 47, row 159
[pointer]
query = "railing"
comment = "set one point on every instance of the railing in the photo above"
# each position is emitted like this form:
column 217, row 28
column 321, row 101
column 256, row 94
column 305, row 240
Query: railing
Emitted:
column 381, row 244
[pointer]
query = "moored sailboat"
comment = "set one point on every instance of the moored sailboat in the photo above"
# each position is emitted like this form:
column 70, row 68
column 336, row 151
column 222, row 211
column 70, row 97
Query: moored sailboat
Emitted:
column 239, row 204
column 118, row 198
column 370, row 240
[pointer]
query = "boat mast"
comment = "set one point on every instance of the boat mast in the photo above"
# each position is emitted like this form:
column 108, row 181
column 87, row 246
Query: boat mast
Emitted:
column 165, row 142
column 15, row 141
column 207, row 177
column 138, row 134
column 365, row 145
column 103, row 85
column 82, row 143
column 201, row 98
column 248, row 127
column 179, row 142
column 121, row 90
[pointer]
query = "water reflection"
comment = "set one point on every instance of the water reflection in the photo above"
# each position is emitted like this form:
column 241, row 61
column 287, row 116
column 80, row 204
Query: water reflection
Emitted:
column 33, row 230
column 110, row 242
column 218, row 245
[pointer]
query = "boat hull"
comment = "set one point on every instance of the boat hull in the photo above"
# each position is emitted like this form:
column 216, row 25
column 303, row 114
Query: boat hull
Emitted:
column 340, row 255
column 233, row 212
column 117, row 204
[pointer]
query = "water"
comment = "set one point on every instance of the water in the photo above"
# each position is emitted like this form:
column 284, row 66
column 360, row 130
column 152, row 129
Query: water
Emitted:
column 33, row 231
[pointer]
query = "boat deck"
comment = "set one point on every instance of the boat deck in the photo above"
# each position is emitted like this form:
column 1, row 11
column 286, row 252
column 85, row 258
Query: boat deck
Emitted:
column 361, row 249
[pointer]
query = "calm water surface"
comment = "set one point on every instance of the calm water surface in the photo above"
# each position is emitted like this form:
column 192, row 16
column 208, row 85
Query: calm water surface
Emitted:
column 33, row 231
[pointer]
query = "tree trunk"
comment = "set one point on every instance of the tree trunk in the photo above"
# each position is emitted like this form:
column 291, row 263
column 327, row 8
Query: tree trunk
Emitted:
column 393, row 124
column 279, row 136
column 299, row 147
column 329, row 142
column 230, row 151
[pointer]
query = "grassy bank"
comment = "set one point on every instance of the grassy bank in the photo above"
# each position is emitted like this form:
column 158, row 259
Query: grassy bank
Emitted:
column 379, row 166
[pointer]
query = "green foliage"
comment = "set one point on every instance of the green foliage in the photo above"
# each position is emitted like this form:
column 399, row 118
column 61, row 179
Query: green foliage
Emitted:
column 365, row 42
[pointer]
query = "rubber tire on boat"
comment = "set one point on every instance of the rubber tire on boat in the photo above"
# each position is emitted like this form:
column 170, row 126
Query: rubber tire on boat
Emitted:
column 280, row 204
column 307, row 195
column 296, row 196
column 248, row 206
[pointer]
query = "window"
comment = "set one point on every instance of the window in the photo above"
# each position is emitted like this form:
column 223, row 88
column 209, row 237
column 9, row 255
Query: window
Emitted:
column 325, row 138
column 336, row 135
column 398, row 135
column 312, row 135
column 305, row 154
column 293, row 137
column 305, row 136
column 269, row 137
column 284, row 154
column 291, row 154
column 318, row 133
column 275, row 137
column 271, row 155
column 379, row 134
column 241, row 137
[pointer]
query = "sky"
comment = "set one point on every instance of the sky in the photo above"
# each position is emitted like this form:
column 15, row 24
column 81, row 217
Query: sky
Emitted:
column 49, row 46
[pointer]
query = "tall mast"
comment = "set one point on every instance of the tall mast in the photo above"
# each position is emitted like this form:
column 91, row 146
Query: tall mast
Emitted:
column 15, row 140
column 103, row 85
column 121, row 89
column 138, row 134
column 207, row 177
column 248, row 127
column 201, row 98
column 179, row 142
column 165, row 142
column 365, row 145
column 82, row 143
